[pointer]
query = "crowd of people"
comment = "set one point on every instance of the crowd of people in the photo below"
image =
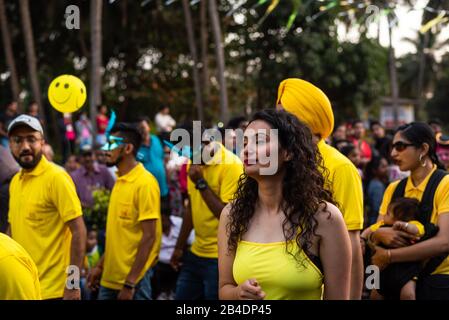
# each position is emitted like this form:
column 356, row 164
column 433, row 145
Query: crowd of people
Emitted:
column 141, row 220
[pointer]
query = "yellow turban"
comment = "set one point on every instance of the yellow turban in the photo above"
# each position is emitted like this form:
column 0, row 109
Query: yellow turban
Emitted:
column 308, row 103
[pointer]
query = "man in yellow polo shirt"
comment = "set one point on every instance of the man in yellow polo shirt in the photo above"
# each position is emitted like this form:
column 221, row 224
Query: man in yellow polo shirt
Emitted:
column 210, row 186
column 19, row 278
column 133, row 227
column 45, row 213
column 311, row 106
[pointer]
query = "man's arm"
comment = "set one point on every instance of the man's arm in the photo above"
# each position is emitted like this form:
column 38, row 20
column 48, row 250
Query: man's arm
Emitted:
column 78, row 244
column 77, row 251
column 186, row 229
column 94, row 276
column 213, row 202
column 143, row 252
column 144, row 249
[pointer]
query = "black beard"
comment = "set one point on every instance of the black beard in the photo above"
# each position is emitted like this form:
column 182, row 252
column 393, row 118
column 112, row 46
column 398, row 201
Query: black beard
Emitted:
column 29, row 165
column 116, row 162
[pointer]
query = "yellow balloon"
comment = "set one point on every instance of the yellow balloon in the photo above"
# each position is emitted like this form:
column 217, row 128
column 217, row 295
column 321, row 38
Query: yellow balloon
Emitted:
column 67, row 93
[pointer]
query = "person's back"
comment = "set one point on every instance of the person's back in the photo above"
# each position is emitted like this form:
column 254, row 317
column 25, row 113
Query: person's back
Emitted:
column 312, row 107
column 19, row 278
column 340, row 171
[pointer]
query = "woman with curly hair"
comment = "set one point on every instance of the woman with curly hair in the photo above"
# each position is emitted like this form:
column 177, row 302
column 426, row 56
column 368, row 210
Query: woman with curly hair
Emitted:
column 282, row 237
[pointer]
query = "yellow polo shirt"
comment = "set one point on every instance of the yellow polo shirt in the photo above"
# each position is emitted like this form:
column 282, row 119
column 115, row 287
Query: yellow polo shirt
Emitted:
column 346, row 185
column 19, row 278
column 134, row 198
column 440, row 203
column 222, row 174
column 41, row 202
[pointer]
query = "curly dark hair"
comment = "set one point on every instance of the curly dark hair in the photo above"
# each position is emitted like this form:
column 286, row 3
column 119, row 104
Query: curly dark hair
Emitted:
column 303, row 190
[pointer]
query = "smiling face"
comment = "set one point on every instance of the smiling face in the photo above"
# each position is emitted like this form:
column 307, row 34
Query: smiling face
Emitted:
column 67, row 93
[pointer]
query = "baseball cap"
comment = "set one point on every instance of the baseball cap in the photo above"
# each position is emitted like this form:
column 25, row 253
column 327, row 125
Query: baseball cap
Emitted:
column 26, row 120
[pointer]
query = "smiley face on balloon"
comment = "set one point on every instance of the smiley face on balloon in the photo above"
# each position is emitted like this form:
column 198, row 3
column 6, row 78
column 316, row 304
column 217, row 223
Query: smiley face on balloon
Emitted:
column 67, row 93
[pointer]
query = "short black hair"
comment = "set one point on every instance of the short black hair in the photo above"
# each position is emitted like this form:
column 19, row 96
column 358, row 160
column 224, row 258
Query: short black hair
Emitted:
column 100, row 106
column 405, row 209
column 375, row 123
column 162, row 107
column 86, row 152
column 143, row 118
column 347, row 149
column 130, row 132
column 235, row 122
column 356, row 121
column 435, row 121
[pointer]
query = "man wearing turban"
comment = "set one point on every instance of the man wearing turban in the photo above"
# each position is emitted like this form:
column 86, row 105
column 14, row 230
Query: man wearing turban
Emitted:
column 311, row 106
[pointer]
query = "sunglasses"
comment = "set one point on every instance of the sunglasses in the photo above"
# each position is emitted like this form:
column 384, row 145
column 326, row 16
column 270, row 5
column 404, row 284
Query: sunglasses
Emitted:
column 401, row 146
column 113, row 143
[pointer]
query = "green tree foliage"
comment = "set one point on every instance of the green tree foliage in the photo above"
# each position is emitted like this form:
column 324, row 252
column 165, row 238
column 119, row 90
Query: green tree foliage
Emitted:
column 354, row 75
column 147, row 63
column 437, row 106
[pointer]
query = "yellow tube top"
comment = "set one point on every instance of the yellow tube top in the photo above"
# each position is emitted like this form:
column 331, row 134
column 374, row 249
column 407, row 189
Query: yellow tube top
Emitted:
column 279, row 274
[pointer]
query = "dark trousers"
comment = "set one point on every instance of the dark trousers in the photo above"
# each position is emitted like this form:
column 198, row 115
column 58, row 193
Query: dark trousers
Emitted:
column 434, row 287
column 164, row 279
column 198, row 278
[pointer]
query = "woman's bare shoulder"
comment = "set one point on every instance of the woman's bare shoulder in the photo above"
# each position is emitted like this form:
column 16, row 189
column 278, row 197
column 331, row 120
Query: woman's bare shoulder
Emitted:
column 329, row 216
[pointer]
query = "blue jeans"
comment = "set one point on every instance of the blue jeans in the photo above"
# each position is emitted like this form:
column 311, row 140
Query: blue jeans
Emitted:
column 142, row 290
column 198, row 278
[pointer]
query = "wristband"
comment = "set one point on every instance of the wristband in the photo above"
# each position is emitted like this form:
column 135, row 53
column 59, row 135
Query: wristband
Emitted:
column 129, row 285
column 201, row 185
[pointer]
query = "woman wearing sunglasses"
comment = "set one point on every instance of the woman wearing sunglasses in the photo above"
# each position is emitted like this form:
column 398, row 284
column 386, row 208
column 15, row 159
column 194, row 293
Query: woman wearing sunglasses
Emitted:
column 414, row 150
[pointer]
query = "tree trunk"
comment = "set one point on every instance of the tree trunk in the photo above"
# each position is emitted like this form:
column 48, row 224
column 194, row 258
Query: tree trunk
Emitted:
column 422, row 65
column 219, row 51
column 193, row 53
column 10, row 62
column 393, row 75
column 30, row 53
column 96, row 7
column 204, row 54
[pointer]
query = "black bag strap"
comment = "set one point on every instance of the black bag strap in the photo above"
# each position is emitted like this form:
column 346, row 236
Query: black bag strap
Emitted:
column 399, row 191
column 426, row 205
column 426, row 208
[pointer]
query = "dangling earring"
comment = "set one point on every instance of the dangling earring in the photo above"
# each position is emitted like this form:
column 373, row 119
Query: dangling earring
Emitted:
column 423, row 164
